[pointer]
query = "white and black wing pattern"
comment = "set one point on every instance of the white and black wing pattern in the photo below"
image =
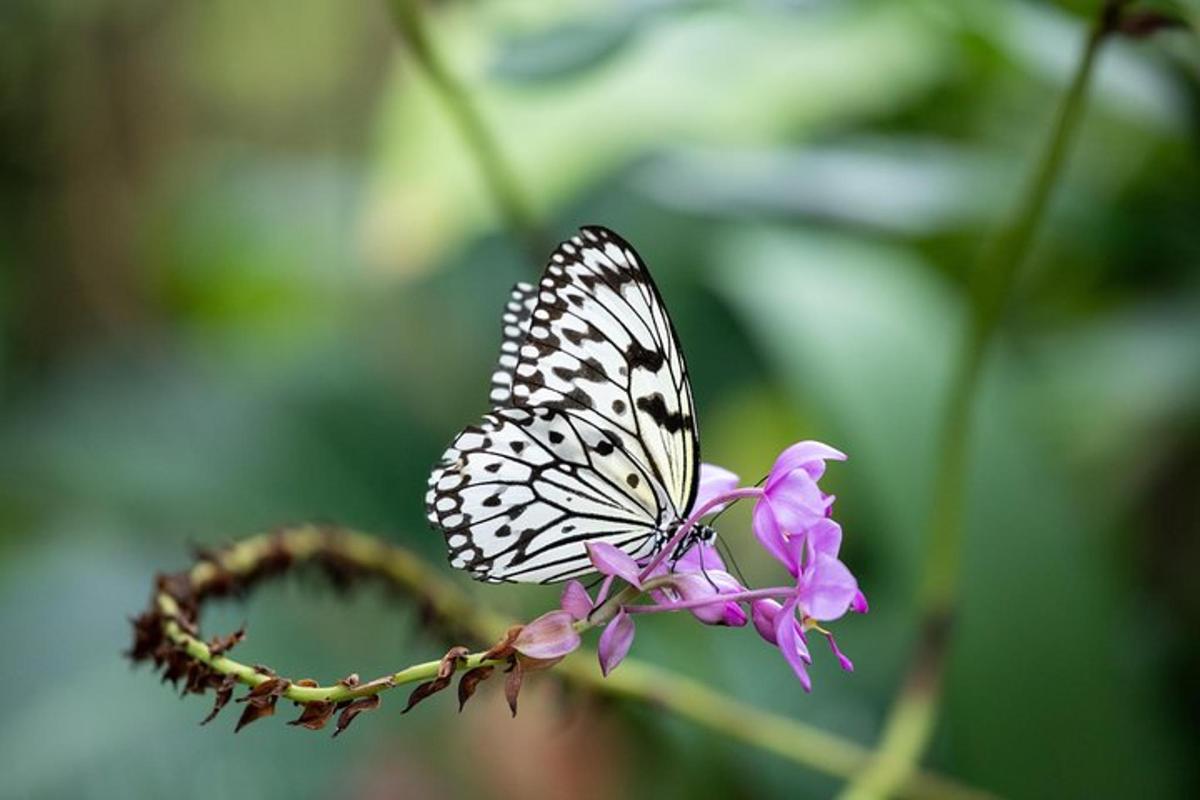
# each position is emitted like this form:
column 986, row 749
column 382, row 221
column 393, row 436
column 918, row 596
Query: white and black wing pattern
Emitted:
column 592, row 436
column 518, row 313
column 602, row 348
column 520, row 495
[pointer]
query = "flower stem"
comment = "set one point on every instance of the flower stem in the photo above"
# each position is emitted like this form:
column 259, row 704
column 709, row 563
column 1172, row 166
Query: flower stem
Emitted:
column 910, row 722
column 704, row 602
column 498, row 175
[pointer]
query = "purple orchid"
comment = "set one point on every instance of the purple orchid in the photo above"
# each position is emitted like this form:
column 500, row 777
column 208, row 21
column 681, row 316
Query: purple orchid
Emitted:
column 791, row 502
column 792, row 519
column 575, row 601
column 615, row 642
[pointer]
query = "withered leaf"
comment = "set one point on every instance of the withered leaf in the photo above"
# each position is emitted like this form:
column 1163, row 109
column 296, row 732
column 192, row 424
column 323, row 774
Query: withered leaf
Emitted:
column 270, row 688
column 424, row 690
column 177, row 663
column 223, row 694
column 315, row 714
column 469, row 681
column 355, row 708
column 260, row 701
column 504, row 648
column 512, row 685
column 198, row 678
column 306, row 682
column 254, row 712
column 219, row 645
column 147, row 635
column 449, row 662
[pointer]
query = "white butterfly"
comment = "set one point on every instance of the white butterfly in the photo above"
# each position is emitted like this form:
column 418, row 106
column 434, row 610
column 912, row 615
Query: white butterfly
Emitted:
column 592, row 436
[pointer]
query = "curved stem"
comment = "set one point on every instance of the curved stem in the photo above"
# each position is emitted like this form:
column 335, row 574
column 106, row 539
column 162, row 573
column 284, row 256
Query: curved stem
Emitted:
column 689, row 699
column 498, row 175
column 305, row 694
column 910, row 722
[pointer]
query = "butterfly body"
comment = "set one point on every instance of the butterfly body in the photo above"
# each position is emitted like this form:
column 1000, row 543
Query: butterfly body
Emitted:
column 592, row 435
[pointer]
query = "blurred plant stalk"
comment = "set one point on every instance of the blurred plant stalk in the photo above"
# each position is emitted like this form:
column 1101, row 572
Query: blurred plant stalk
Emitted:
column 499, row 176
column 910, row 722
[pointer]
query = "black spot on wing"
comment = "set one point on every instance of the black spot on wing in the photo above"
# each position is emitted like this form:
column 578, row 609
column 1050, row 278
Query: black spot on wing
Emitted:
column 656, row 406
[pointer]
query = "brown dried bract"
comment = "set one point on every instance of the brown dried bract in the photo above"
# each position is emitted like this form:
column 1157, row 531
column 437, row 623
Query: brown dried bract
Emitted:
column 353, row 709
column 350, row 681
column 470, row 681
column 512, row 684
column 223, row 694
column 220, row 645
column 450, row 661
column 425, row 690
column 504, row 648
column 260, row 701
column 315, row 714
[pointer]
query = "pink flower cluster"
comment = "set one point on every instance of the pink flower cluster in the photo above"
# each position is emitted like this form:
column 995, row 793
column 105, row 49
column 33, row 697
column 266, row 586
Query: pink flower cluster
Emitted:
column 792, row 521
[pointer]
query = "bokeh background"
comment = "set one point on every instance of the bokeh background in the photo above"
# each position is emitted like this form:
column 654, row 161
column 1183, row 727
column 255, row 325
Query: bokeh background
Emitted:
column 251, row 275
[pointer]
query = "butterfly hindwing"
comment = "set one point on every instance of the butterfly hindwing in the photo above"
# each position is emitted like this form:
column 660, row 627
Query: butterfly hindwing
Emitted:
column 602, row 347
column 519, row 496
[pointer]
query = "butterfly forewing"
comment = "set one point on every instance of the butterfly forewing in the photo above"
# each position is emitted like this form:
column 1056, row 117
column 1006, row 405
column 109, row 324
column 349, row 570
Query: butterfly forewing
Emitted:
column 601, row 346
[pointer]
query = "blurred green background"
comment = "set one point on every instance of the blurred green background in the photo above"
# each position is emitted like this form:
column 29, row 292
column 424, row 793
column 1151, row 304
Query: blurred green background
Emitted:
column 249, row 275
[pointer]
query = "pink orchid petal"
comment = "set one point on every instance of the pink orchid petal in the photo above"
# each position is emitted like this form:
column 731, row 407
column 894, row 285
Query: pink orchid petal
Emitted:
column 615, row 642
column 764, row 613
column 552, row 635
column 714, row 482
column 791, row 643
column 766, row 529
column 825, row 536
column 608, row 560
column 575, row 600
column 808, row 456
column 797, row 501
column 695, row 586
column 827, row 588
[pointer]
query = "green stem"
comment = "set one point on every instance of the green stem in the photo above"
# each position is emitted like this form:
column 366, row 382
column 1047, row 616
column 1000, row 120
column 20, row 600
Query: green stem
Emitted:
column 501, row 180
column 910, row 722
column 689, row 699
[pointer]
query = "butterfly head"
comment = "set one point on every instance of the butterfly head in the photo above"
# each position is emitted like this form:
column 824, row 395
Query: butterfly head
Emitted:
column 703, row 534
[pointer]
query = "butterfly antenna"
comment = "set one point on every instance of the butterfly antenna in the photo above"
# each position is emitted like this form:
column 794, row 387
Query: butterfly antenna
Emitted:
column 727, row 552
column 704, row 571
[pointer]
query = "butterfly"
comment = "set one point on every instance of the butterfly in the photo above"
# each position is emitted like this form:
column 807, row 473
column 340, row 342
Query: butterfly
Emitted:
column 592, row 433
